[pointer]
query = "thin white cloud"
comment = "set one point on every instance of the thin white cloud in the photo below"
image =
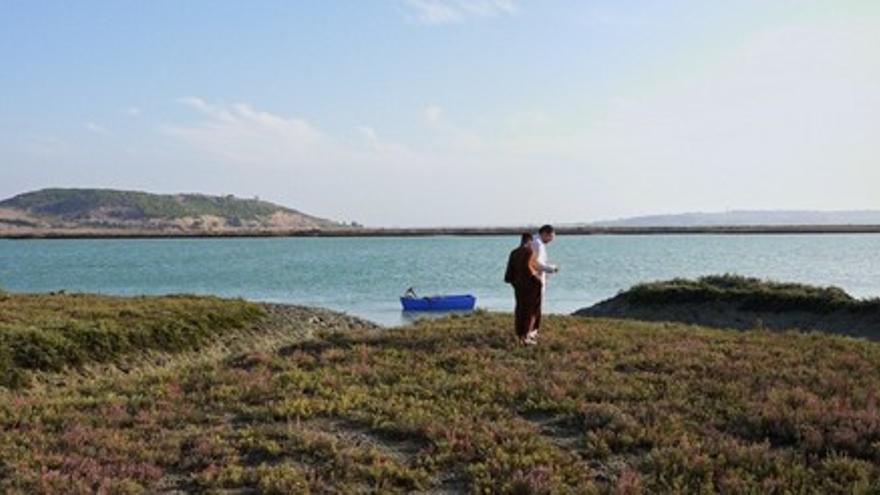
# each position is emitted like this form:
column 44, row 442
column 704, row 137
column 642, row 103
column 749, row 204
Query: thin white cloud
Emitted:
column 133, row 111
column 615, row 15
column 291, row 157
column 241, row 133
column 97, row 129
column 433, row 114
column 368, row 133
column 449, row 136
column 436, row 12
column 374, row 142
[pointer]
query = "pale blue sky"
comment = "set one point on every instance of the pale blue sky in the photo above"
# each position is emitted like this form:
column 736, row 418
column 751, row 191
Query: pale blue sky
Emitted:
column 449, row 112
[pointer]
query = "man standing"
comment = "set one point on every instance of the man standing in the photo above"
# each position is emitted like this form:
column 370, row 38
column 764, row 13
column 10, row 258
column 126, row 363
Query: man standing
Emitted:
column 545, row 236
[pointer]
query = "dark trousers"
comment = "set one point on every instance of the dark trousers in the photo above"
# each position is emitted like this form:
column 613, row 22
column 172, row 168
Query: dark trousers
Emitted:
column 527, row 315
column 540, row 311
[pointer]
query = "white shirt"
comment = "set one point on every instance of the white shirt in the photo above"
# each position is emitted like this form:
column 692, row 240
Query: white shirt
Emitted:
column 540, row 250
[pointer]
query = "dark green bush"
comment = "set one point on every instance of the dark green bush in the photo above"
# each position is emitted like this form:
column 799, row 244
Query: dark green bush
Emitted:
column 32, row 348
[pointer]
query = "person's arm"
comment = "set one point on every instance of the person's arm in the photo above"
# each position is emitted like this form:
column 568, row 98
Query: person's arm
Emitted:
column 534, row 271
column 508, row 274
column 547, row 267
column 542, row 266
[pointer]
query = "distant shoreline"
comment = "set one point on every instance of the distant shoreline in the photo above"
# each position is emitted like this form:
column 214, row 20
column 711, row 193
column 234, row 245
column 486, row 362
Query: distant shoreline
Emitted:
column 461, row 231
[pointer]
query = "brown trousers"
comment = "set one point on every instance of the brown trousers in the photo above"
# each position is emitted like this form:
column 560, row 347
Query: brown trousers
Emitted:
column 527, row 315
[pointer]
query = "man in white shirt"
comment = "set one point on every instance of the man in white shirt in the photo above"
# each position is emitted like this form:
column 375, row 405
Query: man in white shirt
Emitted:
column 545, row 236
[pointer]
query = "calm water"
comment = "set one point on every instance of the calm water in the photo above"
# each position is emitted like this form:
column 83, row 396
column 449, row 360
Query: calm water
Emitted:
column 365, row 276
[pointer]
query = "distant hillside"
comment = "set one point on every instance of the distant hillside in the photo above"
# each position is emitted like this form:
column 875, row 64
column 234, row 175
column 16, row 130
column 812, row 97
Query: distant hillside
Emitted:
column 112, row 212
column 749, row 218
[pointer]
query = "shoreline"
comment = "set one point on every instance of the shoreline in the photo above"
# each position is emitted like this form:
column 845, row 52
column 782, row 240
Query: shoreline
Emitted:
column 455, row 231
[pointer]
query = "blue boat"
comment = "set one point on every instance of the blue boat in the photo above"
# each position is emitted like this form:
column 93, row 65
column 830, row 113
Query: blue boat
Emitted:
column 439, row 303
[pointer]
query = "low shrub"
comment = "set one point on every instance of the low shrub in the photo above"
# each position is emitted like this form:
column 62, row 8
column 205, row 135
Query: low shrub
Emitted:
column 750, row 293
column 49, row 332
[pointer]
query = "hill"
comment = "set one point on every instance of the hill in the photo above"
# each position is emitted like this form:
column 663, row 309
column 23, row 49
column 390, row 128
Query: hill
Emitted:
column 749, row 218
column 454, row 406
column 730, row 301
column 112, row 212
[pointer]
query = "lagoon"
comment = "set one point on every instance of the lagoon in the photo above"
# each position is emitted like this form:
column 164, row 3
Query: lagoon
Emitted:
column 364, row 276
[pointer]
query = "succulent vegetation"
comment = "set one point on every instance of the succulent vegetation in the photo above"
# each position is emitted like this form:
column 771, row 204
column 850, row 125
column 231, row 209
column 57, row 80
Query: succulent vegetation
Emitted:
column 50, row 332
column 454, row 405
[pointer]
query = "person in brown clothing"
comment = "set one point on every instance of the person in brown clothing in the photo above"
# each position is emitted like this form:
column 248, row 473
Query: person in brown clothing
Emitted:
column 522, row 273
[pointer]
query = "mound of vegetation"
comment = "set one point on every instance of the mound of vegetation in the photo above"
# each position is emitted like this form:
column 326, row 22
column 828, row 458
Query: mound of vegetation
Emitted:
column 750, row 293
column 50, row 332
column 454, row 405
column 742, row 302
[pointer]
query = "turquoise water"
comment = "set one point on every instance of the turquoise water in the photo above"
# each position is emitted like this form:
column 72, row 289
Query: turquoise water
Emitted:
column 364, row 276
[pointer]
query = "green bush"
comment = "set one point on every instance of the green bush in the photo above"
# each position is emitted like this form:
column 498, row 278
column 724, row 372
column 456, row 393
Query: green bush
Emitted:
column 52, row 331
column 750, row 293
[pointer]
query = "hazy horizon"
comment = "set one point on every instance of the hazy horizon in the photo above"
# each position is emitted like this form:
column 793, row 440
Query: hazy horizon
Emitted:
column 450, row 112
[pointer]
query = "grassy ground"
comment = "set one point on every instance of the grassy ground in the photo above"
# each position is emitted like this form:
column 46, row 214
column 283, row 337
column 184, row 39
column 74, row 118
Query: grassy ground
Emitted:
column 600, row 406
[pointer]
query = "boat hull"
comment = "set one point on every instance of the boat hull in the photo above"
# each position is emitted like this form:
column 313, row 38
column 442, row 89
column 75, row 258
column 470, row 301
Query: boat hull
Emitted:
column 439, row 303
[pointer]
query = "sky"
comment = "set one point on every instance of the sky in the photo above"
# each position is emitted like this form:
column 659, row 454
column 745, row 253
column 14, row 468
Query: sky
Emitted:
column 449, row 112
